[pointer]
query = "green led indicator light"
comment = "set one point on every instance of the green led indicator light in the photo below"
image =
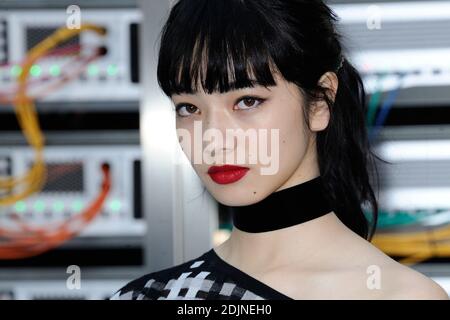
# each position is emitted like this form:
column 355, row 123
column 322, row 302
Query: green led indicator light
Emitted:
column 112, row 70
column 20, row 206
column 92, row 70
column 16, row 70
column 115, row 205
column 77, row 206
column 55, row 70
column 39, row 206
column 58, row 206
column 35, row 70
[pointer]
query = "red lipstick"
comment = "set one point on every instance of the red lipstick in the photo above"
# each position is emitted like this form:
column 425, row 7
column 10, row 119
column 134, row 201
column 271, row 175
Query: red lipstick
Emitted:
column 227, row 173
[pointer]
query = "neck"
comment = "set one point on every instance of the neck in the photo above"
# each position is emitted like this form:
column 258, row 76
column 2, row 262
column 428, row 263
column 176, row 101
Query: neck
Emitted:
column 305, row 242
column 285, row 223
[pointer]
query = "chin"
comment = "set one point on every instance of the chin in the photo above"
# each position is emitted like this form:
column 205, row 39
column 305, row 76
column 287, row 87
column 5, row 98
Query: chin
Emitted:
column 235, row 197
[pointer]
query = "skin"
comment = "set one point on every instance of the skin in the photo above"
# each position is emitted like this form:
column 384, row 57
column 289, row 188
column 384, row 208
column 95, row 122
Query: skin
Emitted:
column 318, row 259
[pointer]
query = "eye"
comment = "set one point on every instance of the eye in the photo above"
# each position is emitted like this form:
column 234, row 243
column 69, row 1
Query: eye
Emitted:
column 185, row 110
column 247, row 103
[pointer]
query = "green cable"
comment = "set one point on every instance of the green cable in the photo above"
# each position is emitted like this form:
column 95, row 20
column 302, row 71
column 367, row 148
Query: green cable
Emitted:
column 401, row 218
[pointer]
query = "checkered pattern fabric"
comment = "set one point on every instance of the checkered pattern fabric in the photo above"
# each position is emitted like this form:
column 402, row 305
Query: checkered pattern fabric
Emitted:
column 205, row 278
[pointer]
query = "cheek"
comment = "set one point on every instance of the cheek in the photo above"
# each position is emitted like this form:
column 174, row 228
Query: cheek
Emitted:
column 190, row 147
column 292, row 147
column 185, row 136
column 292, row 142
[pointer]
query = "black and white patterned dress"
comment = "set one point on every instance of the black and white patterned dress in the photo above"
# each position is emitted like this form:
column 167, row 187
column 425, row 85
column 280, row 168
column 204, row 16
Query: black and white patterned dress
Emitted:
column 207, row 277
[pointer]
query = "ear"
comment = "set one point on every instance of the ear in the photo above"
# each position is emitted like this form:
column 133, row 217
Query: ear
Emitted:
column 319, row 112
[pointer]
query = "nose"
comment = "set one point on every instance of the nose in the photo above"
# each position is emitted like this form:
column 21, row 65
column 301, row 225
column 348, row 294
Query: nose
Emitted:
column 216, row 124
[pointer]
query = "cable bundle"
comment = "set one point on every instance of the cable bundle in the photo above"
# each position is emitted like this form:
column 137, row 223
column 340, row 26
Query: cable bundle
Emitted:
column 17, row 188
column 23, row 239
column 415, row 246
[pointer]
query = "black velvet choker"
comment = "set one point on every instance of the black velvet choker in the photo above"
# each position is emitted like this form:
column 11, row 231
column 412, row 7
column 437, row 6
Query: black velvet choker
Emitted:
column 284, row 208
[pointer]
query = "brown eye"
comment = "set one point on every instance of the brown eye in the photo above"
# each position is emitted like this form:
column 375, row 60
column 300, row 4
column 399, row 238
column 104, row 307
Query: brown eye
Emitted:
column 249, row 103
column 186, row 110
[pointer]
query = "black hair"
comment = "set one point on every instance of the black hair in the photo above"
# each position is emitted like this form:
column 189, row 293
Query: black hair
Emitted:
column 223, row 45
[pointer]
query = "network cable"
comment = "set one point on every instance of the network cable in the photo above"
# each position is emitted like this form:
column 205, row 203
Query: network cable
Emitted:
column 17, row 188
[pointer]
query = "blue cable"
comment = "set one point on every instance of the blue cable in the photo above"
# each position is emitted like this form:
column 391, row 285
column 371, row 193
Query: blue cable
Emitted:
column 384, row 110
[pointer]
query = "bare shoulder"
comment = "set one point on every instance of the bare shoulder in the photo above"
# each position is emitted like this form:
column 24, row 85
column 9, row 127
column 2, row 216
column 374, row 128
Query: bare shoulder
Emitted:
column 406, row 283
column 399, row 281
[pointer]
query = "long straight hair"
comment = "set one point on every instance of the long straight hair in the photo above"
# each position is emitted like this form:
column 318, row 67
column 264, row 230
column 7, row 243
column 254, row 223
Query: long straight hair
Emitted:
column 223, row 45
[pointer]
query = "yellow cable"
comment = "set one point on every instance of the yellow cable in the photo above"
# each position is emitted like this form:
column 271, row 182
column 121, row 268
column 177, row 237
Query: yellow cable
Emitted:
column 415, row 246
column 25, row 110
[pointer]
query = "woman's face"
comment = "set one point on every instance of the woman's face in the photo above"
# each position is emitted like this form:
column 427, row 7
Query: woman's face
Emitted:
column 272, row 128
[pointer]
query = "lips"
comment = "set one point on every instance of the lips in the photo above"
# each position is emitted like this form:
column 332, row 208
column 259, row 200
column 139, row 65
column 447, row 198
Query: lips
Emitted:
column 227, row 173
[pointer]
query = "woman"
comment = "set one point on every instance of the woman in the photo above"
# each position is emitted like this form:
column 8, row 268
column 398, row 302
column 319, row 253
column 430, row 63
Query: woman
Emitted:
column 299, row 231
